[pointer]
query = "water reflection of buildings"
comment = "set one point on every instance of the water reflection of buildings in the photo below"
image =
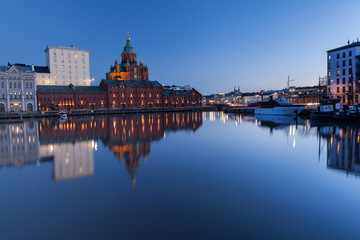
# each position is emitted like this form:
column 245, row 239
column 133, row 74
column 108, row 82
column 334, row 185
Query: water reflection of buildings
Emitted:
column 69, row 146
column 130, row 137
column 343, row 147
column 19, row 144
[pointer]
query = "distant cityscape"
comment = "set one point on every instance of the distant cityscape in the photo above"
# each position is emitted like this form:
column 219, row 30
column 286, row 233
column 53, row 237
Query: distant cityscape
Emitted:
column 342, row 81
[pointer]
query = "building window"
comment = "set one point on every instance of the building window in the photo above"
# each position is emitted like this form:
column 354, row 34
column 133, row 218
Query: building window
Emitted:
column 337, row 72
column 30, row 84
column 69, row 61
column 350, row 62
column 337, row 56
column 329, row 57
column 329, row 65
column 343, row 89
column 337, row 90
column 3, row 95
column 54, row 54
column 10, row 84
column 337, row 64
column 343, row 72
column 350, row 53
column 62, row 54
column 11, row 95
column 2, row 84
column 343, row 81
column 75, row 60
column 26, row 85
column 69, row 55
column 344, row 54
column 69, row 72
column 69, row 66
column 344, row 63
column 337, row 81
column 76, row 67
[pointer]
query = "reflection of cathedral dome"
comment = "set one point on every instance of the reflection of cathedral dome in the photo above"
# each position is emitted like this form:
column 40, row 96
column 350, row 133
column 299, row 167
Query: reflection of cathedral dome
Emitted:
column 132, row 172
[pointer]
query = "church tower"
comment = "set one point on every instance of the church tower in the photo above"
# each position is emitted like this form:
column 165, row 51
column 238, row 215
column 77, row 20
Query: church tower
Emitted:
column 128, row 69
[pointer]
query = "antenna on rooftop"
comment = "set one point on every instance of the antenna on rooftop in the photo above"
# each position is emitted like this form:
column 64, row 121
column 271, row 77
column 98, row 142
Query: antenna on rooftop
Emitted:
column 289, row 80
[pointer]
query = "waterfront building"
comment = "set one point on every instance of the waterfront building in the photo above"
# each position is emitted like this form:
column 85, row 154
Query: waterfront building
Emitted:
column 181, row 98
column 127, row 86
column 312, row 98
column 17, row 88
column 343, row 73
column 128, row 69
column 71, row 97
column 65, row 65
column 133, row 93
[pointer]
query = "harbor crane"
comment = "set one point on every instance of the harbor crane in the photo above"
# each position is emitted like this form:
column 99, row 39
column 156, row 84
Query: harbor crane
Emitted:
column 289, row 80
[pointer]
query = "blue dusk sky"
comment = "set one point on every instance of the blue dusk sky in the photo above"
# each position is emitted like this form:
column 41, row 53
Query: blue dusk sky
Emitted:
column 210, row 45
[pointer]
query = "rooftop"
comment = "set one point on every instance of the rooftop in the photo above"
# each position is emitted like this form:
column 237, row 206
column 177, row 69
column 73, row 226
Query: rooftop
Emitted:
column 65, row 48
column 349, row 45
column 131, row 82
column 70, row 88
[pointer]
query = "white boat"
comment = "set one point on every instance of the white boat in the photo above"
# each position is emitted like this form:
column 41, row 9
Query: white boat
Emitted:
column 278, row 107
column 61, row 115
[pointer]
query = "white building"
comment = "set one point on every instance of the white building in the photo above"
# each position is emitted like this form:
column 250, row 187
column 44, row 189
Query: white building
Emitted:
column 66, row 65
column 17, row 88
column 343, row 73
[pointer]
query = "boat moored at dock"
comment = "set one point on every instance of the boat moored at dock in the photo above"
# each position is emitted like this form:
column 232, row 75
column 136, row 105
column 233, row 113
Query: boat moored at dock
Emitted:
column 278, row 107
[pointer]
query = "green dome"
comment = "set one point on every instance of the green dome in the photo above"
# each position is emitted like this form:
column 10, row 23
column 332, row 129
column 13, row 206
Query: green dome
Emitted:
column 128, row 48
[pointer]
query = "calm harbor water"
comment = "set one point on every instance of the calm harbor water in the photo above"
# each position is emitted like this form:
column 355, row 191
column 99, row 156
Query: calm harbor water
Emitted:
column 179, row 176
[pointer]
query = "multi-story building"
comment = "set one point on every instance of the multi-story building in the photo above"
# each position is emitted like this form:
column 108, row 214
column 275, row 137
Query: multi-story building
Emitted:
column 66, row 65
column 343, row 72
column 17, row 88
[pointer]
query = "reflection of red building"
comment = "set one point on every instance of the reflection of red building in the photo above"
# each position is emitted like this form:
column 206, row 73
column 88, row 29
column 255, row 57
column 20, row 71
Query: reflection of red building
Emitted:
column 129, row 137
column 127, row 86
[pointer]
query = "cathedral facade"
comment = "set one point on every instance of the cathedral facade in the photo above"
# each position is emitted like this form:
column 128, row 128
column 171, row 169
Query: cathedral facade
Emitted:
column 128, row 69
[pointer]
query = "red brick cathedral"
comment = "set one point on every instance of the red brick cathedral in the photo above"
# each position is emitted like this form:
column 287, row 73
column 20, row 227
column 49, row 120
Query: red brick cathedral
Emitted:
column 127, row 85
column 128, row 69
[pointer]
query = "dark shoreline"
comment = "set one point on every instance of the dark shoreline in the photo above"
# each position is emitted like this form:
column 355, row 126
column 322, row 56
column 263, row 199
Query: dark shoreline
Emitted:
column 16, row 117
